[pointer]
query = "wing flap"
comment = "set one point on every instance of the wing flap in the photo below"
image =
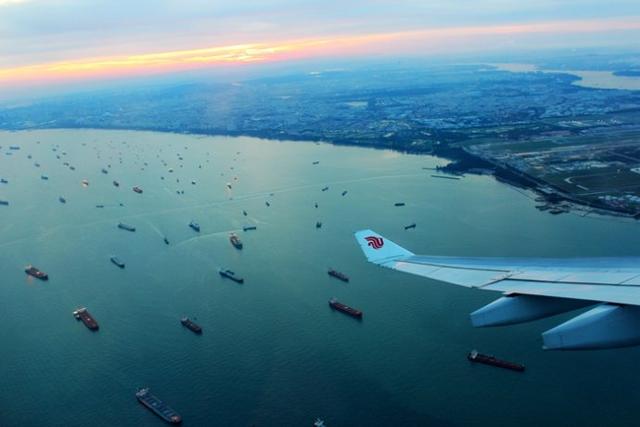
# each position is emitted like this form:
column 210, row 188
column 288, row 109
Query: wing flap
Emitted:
column 617, row 294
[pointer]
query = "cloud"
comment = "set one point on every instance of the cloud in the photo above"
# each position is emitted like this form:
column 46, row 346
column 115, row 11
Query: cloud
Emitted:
column 423, row 41
column 10, row 2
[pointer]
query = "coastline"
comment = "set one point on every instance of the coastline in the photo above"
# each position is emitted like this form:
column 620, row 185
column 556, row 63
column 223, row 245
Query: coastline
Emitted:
column 461, row 162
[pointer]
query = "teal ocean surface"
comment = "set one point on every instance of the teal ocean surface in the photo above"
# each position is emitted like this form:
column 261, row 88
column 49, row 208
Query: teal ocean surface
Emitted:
column 273, row 353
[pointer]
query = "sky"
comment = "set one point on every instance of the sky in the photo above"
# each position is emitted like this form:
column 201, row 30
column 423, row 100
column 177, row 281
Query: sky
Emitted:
column 50, row 42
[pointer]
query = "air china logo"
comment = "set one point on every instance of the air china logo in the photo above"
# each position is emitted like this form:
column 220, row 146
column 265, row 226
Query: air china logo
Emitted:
column 374, row 242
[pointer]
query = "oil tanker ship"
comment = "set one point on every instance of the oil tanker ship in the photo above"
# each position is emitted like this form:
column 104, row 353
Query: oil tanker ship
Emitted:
column 157, row 406
column 235, row 241
column 88, row 320
column 123, row 226
column 345, row 308
column 190, row 324
column 474, row 356
column 338, row 275
column 32, row 271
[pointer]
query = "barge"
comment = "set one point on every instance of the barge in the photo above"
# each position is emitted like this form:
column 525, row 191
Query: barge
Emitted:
column 117, row 261
column 230, row 275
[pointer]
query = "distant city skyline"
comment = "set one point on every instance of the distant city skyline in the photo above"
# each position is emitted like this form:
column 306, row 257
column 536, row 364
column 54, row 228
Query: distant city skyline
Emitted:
column 59, row 41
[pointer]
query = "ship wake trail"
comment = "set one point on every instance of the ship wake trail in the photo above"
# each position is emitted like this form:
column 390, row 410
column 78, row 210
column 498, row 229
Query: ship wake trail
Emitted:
column 209, row 235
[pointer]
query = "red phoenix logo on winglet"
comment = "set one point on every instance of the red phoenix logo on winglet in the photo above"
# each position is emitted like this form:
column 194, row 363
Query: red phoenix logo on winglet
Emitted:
column 375, row 242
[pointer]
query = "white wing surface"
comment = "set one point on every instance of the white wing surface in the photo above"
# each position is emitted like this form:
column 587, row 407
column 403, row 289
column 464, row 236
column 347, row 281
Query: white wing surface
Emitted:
column 535, row 288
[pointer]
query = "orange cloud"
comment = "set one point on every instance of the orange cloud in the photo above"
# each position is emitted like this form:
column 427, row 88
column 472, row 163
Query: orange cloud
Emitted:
column 257, row 52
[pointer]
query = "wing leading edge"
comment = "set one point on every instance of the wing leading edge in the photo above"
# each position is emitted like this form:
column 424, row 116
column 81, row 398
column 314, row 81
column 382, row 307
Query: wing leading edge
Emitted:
column 535, row 288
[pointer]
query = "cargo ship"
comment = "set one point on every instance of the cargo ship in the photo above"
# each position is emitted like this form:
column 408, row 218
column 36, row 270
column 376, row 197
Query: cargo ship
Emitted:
column 231, row 275
column 166, row 241
column 127, row 227
column 104, row 171
column 345, row 308
column 117, row 261
column 4, row 203
column 62, row 199
column 3, row 181
column 399, row 204
column 191, row 325
column 157, row 406
column 474, row 356
column 195, row 226
column 84, row 182
column 32, row 271
column 325, row 188
column 318, row 224
column 244, row 213
column 137, row 189
column 249, row 228
column 88, row 320
column 410, row 226
column 116, row 184
column 344, row 193
column 235, row 241
column 338, row 275
column 44, row 177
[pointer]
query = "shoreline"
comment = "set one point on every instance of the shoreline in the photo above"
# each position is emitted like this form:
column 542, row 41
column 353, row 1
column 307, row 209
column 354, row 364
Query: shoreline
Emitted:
column 461, row 162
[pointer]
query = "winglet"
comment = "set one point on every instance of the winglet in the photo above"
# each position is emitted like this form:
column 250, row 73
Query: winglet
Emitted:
column 379, row 250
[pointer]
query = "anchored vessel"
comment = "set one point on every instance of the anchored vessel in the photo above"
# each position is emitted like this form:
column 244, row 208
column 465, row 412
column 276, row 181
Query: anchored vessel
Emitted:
column 249, row 227
column 325, row 188
column 32, row 271
column 62, row 199
column 117, row 261
column 474, row 356
column 88, row 320
column 338, row 275
column 230, row 275
column 191, row 325
column 116, row 184
column 137, row 189
column 194, row 225
column 157, row 406
column 399, row 204
column 407, row 227
column 235, row 241
column 166, row 241
column 345, row 308
column 318, row 224
column 344, row 193
column 4, row 202
column 127, row 227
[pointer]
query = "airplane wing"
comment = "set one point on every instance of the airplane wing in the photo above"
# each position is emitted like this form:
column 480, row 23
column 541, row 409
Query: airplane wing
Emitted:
column 535, row 288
